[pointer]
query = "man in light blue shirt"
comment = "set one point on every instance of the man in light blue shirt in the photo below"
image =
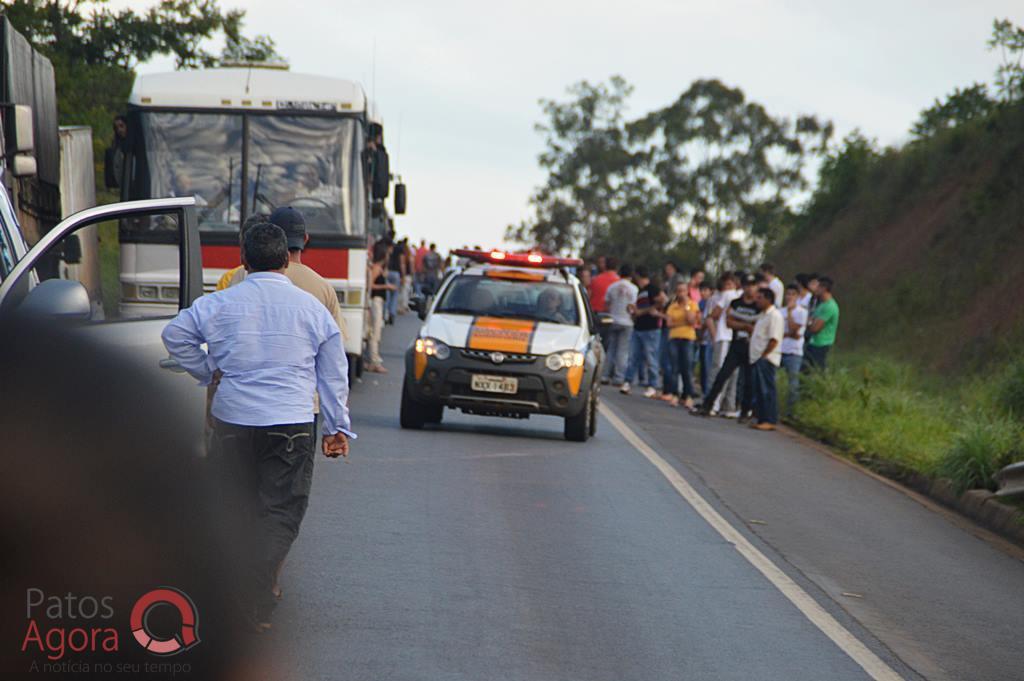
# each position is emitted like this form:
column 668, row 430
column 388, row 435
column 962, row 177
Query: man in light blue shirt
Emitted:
column 273, row 344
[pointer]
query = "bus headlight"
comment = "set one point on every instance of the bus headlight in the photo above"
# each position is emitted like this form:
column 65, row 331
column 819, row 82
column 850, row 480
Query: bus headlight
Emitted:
column 560, row 360
column 432, row 347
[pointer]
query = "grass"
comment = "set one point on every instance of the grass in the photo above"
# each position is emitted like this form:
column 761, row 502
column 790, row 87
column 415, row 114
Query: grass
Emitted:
column 898, row 420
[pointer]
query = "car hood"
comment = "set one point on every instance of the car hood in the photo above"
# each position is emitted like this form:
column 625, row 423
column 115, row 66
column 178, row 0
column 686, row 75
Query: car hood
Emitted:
column 503, row 335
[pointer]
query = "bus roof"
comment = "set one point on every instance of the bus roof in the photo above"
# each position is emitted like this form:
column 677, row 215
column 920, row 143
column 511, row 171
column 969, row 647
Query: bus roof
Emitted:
column 248, row 88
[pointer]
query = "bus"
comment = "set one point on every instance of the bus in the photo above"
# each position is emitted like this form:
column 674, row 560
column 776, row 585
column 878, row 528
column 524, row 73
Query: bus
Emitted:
column 246, row 140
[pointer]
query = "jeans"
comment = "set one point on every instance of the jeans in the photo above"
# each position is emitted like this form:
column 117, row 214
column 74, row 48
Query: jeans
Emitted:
column 816, row 356
column 791, row 363
column 735, row 359
column 643, row 357
column 705, row 353
column 682, row 366
column 618, row 352
column 395, row 279
column 665, row 362
column 766, row 399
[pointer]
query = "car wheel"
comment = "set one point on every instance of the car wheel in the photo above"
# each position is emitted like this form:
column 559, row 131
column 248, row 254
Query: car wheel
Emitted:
column 577, row 428
column 593, row 416
column 434, row 413
column 412, row 414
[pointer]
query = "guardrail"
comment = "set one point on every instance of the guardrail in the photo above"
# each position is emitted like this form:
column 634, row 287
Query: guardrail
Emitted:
column 1011, row 480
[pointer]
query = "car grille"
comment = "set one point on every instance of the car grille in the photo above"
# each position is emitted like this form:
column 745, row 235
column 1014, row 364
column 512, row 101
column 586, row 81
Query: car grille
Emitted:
column 510, row 357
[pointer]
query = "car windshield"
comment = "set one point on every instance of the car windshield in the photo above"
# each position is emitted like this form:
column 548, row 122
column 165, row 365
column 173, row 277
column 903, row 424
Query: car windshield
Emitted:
column 495, row 297
column 311, row 163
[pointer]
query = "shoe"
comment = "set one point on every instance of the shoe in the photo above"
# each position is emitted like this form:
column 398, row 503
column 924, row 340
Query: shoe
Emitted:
column 377, row 369
column 650, row 392
column 763, row 426
column 605, row 381
column 688, row 404
column 729, row 414
column 673, row 401
column 625, row 389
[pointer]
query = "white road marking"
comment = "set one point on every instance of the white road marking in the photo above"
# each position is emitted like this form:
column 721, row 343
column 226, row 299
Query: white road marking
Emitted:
column 875, row 667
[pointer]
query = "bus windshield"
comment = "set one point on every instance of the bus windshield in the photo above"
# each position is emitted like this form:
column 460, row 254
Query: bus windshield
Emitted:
column 309, row 162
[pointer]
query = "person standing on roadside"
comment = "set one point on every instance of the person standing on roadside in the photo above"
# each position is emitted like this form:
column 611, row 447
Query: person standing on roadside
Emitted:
column 727, row 292
column 772, row 281
column 395, row 275
column 263, row 407
column 824, row 322
column 644, row 343
column 673, row 277
column 417, row 267
column 682, row 318
column 599, row 284
column 620, row 302
column 706, row 334
column 765, row 357
column 693, row 287
column 432, row 267
column 740, row 318
column 379, row 289
column 795, row 317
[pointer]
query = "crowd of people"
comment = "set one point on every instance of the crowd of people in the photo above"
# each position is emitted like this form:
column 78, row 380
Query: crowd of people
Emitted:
column 712, row 348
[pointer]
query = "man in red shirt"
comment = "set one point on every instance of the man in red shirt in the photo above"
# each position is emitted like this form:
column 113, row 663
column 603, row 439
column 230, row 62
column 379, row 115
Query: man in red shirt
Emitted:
column 417, row 267
column 606, row 276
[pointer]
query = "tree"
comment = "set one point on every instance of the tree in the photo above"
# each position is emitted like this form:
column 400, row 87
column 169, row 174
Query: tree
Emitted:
column 1009, row 40
column 729, row 170
column 963, row 105
column 90, row 32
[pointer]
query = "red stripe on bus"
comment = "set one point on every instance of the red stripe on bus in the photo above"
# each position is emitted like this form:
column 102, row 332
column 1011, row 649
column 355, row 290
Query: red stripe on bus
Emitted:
column 331, row 263
column 224, row 257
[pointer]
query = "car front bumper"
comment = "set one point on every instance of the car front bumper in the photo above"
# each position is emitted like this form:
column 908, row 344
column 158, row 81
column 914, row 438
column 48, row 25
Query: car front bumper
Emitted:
column 540, row 391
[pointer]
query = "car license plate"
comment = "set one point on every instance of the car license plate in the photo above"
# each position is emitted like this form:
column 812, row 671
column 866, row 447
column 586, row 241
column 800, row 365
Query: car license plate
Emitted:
column 494, row 384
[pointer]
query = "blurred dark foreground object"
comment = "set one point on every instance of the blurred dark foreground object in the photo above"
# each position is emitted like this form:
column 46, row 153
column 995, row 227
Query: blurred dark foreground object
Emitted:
column 104, row 497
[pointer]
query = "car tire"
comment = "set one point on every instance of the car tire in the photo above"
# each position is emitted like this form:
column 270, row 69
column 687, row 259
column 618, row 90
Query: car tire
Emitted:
column 578, row 427
column 412, row 415
column 593, row 416
column 434, row 413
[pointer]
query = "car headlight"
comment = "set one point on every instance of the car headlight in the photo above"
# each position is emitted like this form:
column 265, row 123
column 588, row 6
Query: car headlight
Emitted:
column 559, row 360
column 431, row 347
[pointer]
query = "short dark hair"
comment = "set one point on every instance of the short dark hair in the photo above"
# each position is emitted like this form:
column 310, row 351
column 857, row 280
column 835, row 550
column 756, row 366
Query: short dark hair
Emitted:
column 706, row 284
column 641, row 271
column 611, row 262
column 760, row 278
column 252, row 220
column 793, row 287
column 625, row 270
column 768, row 267
column 697, row 270
column 672, row 264
column 380, row 251
column 265, row 247
column 803, row 279
column 826, row 283
column 767, row 293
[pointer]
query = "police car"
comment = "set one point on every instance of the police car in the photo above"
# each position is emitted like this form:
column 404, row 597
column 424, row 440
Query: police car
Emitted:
column 508, row 334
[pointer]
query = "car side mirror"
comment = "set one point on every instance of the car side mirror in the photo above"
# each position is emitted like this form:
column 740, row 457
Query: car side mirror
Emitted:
column 58, row 299
column 400, row 198
column 424, row 307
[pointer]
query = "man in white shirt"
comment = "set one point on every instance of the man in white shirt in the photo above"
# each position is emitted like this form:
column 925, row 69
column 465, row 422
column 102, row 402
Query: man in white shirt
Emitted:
column 728, row 291
column 795, row 316
column 772, row 281
column 765, row 357
column 620, row 303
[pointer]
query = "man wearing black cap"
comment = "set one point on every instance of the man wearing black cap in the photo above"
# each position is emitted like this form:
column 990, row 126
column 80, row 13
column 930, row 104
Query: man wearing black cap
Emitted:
column 741, row 316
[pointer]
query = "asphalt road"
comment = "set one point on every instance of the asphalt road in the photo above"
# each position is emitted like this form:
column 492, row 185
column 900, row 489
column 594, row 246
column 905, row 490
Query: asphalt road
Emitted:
column 493, row 549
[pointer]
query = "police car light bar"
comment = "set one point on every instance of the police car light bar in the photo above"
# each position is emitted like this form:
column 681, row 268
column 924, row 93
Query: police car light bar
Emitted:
column 517, row 259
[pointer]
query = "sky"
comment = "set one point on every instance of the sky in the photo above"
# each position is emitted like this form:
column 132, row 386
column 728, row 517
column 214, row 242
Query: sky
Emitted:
column 458, row 81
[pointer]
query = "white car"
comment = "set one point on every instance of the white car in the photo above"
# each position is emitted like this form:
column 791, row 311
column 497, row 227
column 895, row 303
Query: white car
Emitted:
column 509, row 334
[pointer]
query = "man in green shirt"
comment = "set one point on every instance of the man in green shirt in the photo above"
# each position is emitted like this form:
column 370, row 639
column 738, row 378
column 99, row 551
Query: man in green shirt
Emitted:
column 822, row 327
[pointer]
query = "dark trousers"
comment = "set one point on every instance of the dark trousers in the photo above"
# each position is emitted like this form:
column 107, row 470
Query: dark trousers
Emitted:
column 266, row 472
column 736, row 358
column 766, row 399
column 815, row 356
column 681, row 355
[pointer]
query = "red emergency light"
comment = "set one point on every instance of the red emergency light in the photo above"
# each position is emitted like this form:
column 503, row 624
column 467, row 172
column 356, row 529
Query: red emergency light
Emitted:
column 517, row 259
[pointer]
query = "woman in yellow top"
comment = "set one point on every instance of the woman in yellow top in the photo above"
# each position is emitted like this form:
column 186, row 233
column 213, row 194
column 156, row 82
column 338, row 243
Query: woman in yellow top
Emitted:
column 683, row 319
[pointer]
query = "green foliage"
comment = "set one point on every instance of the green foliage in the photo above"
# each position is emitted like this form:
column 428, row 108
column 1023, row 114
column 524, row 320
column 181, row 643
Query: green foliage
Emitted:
column 1010, row 389
column 711, row 174
column 981, row 446
column 1009, row 40
column 843, row 171
column 963, row 105
column 90, row 31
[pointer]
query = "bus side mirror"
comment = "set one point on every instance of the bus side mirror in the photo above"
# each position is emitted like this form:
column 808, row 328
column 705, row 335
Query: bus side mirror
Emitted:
column 400, row 198
column 24, row 142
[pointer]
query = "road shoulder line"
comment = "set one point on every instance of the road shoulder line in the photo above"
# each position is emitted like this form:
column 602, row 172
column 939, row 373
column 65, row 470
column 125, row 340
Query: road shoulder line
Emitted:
column 873, row 665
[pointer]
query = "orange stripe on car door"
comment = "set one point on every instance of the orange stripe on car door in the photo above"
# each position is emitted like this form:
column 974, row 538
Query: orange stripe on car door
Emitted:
column 501, row 335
